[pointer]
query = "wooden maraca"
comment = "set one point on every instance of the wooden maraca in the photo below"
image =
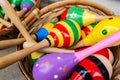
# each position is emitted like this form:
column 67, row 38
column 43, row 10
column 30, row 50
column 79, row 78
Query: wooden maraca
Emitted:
column 103, row 29
column 15, row 3
column 83, row 17
column 38, row 36
column 26, row 5
column 18, row 55
column 63, row 64
column 99, row 69
column 2, row 13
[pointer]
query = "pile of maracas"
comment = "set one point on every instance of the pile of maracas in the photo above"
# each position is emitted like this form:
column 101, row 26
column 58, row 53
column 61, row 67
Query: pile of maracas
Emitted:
column 81, row 34
column 20, row 6
column 80, row 29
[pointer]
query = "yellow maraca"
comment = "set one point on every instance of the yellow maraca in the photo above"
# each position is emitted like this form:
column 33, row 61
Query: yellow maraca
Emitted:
column 102, row 30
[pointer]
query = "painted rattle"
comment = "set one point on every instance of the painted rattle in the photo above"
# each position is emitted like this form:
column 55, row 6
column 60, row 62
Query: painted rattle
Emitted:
column 38, row 36
column 58, row 61
column 86, row 30
column 83, row 17
column 99, row 69
column 103, row 29
column 26, row 5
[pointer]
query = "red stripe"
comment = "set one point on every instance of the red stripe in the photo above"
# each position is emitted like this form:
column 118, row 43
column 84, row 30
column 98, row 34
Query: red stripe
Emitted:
column 103, row 52
column 92, row 69
column 76, row 76
column 64, row 33
column 86, row 30
column 64, row 14
column 55, row 37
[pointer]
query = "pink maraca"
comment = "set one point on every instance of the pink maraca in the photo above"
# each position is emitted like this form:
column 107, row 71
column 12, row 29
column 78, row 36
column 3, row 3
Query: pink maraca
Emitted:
column 54, row 65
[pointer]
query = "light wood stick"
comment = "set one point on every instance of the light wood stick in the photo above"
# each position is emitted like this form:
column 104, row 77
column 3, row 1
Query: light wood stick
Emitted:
column 15, row 19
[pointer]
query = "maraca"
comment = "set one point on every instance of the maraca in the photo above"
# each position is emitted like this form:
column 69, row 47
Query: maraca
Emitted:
column 103, row 29
column 86, row 30
column 1, row 26
column 63, row 64
column 15, row 3
column 83, row 17
column 104, row 52
column 38, row 36
column 26, row 5
column 99, row 69
column 2, row 13
column 36, row 55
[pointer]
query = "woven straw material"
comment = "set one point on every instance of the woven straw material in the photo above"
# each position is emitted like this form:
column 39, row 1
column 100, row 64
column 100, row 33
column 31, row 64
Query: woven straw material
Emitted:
column 52, row 13
column 12, row 32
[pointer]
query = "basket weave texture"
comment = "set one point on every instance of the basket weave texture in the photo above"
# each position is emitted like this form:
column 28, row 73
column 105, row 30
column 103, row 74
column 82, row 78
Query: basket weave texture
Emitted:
column 12, row 32
column 51, row 13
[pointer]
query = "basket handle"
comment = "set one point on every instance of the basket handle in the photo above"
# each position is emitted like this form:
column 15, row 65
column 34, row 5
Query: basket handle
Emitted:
column 15, row 19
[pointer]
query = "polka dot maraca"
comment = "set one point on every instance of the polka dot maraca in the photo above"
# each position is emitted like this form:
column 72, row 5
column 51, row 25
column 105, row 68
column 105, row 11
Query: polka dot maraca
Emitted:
column 102, row 30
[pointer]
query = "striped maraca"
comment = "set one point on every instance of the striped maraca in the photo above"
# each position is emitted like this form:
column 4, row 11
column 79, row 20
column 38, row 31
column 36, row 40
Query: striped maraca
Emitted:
column 86, row 30
column 60, row 65
column 38, row 36
column 83, row 17
column 103, row 29
column 99, row 69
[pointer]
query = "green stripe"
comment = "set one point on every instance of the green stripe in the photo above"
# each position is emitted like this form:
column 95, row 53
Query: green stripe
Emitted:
column 78, row 12
column 15, row 2
column 54, row 23
column 93, row 25
column 74, row 29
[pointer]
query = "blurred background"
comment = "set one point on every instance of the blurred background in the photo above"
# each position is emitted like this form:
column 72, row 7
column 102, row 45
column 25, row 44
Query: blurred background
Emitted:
column 13, row 72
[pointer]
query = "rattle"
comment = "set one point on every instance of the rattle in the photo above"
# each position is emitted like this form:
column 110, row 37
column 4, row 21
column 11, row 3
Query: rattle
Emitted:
column 86, row 30
column 15, row 3
column 103, row 29
column 99, row 69
column 26, row 5
column 83, row 17
column 38, row 36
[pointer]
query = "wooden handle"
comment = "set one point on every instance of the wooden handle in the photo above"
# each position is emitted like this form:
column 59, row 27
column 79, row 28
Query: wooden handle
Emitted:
column 21, row 12
column 34, row 13
column 18, row 55
column 15, row 19
column 13, row 42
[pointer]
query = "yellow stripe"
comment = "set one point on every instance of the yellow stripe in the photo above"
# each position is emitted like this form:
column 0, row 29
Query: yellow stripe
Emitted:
column 83, row 34
column 90, row 28
column 69, row 31
column 88, row 18
column 51, row 40
column 78, row 28
column 60, row 37
column 48, row 26
column 36, row 54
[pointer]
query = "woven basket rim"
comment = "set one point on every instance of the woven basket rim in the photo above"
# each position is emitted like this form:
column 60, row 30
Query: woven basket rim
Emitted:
column 61, row 4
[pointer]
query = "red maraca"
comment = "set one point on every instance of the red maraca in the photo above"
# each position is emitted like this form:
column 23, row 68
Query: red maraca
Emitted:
column 60, row 65
column 99, row 69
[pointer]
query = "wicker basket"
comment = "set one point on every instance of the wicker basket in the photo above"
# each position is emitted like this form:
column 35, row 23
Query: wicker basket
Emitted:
column 52, row 13
column 12, row 31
